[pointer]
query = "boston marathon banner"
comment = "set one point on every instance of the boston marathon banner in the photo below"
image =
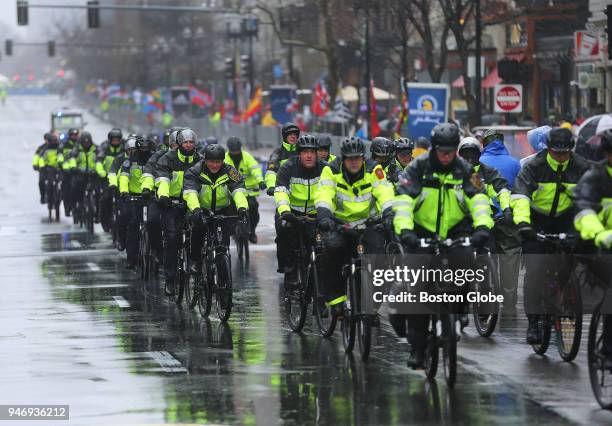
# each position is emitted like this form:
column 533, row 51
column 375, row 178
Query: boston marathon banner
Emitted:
column 428, row 105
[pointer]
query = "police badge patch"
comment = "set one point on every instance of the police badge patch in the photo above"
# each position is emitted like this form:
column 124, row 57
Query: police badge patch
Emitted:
column 233, row 174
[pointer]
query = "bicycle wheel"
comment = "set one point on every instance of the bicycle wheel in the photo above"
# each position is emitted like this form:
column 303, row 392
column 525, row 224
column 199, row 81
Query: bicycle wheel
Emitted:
column 188, row 285
column 545, row 324
column 296, row 302
column 601, row 379
column 486, row 314
column 431, row 351
column 181, row 277
column 348, row 321
column 364, row 321
column 326, row 322
column 203, row 293
column 89, row 212
column 449, row 349
column 143, row 255
column 568, row 325
column 223, row 278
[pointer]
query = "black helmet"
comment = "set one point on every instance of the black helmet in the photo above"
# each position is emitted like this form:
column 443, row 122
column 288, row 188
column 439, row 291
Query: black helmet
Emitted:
column 186, row 135
column 560, row 140
column 352, row 147
column 306, row 142
column 214, row 152
column 47, row 136
column 53, row 140
column 114, row 134
column 85, row 138
column 381, row 147
column 154, row 138
column 422, row 142
column 492, row 135
column 445, row 136
column 172, row 140
column 234, row 144
column 131, row 143
column 289, row 128
column 403, row 144
column 211, row 140
column 324, row 141
column 606, row 140
column 144, row 144
column 73, row 131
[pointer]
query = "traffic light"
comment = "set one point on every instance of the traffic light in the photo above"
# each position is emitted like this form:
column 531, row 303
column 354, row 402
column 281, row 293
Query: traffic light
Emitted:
column 93, row 14
column 245, row 66
column 51, row 48
column 230, row 67
column 8, row 47
column 609, row 29
column 22, row 12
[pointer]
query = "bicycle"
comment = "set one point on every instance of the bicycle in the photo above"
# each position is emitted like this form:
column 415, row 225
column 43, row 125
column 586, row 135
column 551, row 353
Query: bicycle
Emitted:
column 600, row 376
column 561, row 301
column 486, row 314
column 146, row 258
column 90, row 202
column 297, row 298
column 241, row 237
column 443, row 328
column 215, row 275
column 355, row 324
column 54, row 193
column 183, row 261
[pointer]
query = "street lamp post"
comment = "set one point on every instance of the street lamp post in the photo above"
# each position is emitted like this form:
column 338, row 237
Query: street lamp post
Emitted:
column 478, row 76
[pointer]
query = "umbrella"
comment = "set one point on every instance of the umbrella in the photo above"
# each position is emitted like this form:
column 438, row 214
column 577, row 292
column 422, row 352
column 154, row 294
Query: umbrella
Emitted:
column 588, row 142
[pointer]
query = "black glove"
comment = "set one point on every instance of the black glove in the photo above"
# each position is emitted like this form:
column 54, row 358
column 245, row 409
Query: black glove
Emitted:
column 165, row 202
column 409, row 238
column 508, row 216
column 262, row 185
column 388, row 220
column 146, row 194
column 526, row 231
column 270, row 191
column 480, row 236
column 326, row 224
column 196, row 217
column 287, row 218
column 35, row 168
column 243, row 213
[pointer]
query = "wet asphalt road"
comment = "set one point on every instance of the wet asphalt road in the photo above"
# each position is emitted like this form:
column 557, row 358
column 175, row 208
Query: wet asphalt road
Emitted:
column 78, row 329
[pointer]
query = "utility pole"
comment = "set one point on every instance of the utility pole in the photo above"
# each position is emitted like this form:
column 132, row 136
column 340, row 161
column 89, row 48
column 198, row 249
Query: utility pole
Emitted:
column 478, row 76
column 367, row 77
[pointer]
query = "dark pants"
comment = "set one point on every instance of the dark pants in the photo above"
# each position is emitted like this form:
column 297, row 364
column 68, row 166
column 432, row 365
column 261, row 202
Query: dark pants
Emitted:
column 545, row 258
column 67, row 189
column 172, row 226
column 154, row 226
column 253, row 213
column 42, row 177
column 339, row 248
column 287, row 242
column 79, row 181
column 106, row 205
column 199, row 231
column 122, row 221
column 133, row 211
column 508, row 247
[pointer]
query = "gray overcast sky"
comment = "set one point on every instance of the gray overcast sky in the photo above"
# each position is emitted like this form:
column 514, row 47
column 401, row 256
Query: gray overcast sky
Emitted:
column 39, row 19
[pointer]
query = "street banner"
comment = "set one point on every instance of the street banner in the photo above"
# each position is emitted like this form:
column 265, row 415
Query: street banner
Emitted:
column 280, row 99
column 428, row 105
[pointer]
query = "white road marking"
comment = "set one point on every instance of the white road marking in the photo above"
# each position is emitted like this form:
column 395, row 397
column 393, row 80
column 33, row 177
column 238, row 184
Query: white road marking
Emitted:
column 167, row 361
column 121, row 302
column 93, row 266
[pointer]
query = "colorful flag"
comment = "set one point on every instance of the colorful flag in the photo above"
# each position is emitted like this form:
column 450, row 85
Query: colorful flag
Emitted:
column 403, row 113
column 320, row 99
column 254, row 106
column 199, row 97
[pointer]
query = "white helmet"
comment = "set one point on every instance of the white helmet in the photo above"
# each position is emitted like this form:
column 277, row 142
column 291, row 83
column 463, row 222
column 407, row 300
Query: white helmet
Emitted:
column 470, row 142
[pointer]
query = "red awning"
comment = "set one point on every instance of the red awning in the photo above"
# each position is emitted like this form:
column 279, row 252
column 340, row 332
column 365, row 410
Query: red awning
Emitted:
column 491, row 80
column 518, row 57
column 458, row 83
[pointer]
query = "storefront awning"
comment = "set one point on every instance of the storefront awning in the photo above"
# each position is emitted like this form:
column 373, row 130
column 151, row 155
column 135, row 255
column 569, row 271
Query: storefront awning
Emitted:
column 458, row 83
column 491, row 80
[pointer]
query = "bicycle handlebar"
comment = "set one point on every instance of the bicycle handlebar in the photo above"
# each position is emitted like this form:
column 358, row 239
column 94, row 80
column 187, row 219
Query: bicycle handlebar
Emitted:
column 562, row 236
column 436, row 243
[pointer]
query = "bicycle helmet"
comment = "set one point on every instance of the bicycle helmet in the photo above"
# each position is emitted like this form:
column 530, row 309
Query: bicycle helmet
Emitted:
column 186, row 135
column 470, row 143
column 144, row 144
column 352, row 147
column 560, row 140
column 214, row 152
column 381, row 147
column 422, row 142
column 306, row 142
column 166, row 137
column 85, row 138
column 131, row 143
column 115, row 134
column 445, row 137
column 289, row 128
column 403, row 145
column 234, row 144
column 46, row 136
column 211, row 140
column 324, row 141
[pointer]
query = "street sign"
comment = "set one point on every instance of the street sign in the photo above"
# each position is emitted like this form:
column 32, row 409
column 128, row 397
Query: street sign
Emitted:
column 508, row 98
column 586, row 45
column 428, row 105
